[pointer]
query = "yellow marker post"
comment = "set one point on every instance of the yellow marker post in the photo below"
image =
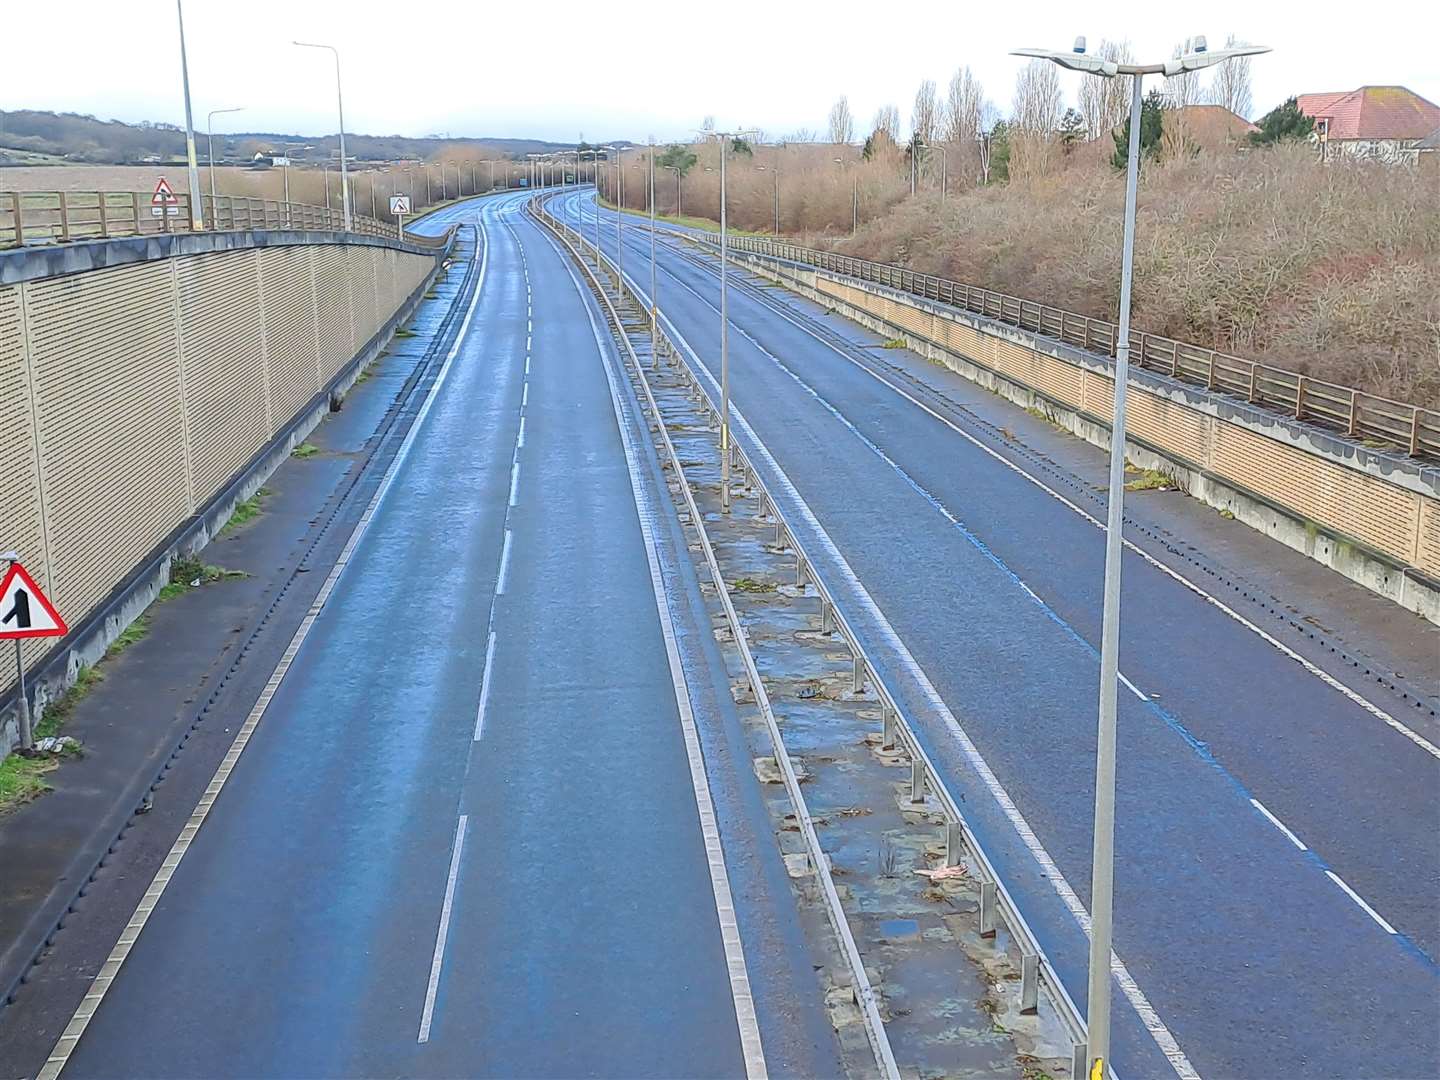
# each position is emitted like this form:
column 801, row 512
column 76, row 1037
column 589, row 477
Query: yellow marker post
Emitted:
column 1097, row 1069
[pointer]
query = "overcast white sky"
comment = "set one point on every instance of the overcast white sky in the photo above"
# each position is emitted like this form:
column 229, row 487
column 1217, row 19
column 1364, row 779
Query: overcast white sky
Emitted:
column 632, row 69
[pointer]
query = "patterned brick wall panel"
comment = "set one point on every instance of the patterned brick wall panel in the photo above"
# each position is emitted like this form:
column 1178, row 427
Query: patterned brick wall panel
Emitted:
column 332, row 297
column 1383, row 516
column 223, row 357
column 1172, row 427
column 289, row 331
column 1427, row 547
column 105, row 368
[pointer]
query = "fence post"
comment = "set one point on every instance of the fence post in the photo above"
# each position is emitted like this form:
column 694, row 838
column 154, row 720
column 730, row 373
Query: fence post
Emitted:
column 64, row 218
column 1415, row 431
column 104, row 220
column 1251, row 396
column 1351, row 428
column 1210, row 374
column 135, row 211
column 19, row 222
column 1299, row 397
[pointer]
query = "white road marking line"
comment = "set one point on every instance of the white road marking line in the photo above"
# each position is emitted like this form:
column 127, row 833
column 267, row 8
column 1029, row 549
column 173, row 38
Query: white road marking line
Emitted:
column 1360, row 900
column 1278, row 824
column 520, row 435
column 744, row 1002
column 514, row 481
column 485, row 685
column 1157, row 1028
column 110, row 970
column 442, row 932
column 527, row 343
column 1314, row 669
column 504, row 565
column 525, row 394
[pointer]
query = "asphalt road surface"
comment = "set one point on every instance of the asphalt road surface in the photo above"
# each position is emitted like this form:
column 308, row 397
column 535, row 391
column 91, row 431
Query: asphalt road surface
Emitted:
column 466, row 838
column 1277, row 863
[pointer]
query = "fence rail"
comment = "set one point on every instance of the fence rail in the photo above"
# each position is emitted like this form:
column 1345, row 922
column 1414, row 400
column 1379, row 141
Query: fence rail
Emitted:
column 32, row 218
column 1351, row 412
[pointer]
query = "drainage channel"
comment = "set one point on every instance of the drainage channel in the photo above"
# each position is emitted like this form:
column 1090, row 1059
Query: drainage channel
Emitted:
column 920, row 977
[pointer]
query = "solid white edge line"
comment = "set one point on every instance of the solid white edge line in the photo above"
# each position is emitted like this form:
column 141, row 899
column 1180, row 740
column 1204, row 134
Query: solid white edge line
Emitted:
column 110, row 970
column 442, row 932
column 1278, row 824
column 744, row 1003
column 1360, row 900
column 500, row 578
column 1269, row 639
column 1159, row 1032
column 484, row 687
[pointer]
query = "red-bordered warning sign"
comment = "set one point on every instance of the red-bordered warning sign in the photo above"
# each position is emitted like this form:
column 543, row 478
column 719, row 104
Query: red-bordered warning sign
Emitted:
column 24, row 610
column 164, row 194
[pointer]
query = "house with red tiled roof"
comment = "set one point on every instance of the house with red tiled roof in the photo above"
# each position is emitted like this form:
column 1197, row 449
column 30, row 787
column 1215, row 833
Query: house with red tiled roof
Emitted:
column 1212, row 127
column 1382, row 123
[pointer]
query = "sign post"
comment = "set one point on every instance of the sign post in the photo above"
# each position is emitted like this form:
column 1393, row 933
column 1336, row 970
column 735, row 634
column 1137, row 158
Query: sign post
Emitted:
column 399, row 207
column 25, row 613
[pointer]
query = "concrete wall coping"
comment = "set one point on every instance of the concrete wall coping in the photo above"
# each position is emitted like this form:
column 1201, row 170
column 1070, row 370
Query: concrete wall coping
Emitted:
column 59, row 260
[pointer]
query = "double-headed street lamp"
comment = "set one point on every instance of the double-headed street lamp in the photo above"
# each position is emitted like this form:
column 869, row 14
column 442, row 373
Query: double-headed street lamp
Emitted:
column 210, row 137
column 1103, row 868
column 340, row 103
column 678, row 174
column 197, row 213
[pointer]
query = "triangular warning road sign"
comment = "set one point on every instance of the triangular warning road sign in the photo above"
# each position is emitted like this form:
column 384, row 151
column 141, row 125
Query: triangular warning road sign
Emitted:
column 24, row 610
column 164, row 194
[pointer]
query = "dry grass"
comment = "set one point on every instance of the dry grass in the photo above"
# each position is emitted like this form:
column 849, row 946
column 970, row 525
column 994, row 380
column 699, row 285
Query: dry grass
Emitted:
column 1334, row 272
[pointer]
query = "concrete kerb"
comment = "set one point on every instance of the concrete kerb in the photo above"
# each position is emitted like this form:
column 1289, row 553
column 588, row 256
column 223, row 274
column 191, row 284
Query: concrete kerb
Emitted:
column 1406, row 585
column 92, row 635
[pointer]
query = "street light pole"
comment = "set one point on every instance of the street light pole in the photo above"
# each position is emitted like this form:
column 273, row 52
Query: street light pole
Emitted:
column 654, row 304
column 1102, row 874
column 197, row 212
column 210, row 138
column 340, row 104
column 725, row 138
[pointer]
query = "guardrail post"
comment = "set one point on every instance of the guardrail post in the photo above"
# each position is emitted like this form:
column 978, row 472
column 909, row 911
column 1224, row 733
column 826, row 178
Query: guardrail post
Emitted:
column 800, row 571
column 1029, row 983
column 891, row 728
column 857, row 685
column 954, row 843
column 917, row 779
column 988, row 909
column 827, row 617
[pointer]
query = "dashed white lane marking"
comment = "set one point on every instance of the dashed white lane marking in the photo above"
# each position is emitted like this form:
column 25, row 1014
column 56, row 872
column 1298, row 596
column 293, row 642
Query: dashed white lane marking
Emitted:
column 485, row 686
column 110, row 970
column 1036, row 596
column 1360, row 900
column 1158, row 1030
column 1314, row 669
column 1278, row 824
column 525, row 396
column 442, row 933
column 743, row 999
column 514, row 482
column 504, row 574
column 520, row 436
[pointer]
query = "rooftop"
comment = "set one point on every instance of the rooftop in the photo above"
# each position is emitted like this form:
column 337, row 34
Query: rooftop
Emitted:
column 1373, row 112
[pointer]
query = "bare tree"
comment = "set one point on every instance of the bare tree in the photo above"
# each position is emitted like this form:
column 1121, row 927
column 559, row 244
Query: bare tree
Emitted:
column 924, row 118
column 1231, row 87
column 887, row 119
column 1181, row 92
column 842, row 122
column 1105, row 102
column 1035, row 116
column 963, row 104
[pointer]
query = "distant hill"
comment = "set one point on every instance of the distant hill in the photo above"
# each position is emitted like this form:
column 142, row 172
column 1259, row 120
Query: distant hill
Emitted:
column 31, row 136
